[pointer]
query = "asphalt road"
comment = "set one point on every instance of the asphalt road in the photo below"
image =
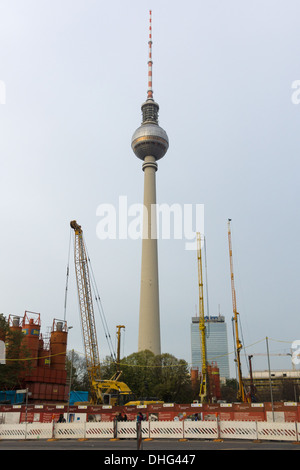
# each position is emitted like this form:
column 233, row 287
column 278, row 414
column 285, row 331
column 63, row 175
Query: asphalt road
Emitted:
column 160, row 447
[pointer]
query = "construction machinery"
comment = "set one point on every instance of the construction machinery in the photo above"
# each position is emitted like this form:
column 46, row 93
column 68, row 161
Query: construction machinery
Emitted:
column 111, row 391
column 241, row 395
column 203, row 393
column 252, row 388
column 119, row 327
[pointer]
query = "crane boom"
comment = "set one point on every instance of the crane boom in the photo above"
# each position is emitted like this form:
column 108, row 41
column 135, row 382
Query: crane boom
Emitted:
column 203, row 383
column 86, row 306
column 241, row 392
column 99, row 388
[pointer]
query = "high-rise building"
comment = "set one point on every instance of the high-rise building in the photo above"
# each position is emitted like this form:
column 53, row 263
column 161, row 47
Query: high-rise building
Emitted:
column 149, row 143
column 216, row 344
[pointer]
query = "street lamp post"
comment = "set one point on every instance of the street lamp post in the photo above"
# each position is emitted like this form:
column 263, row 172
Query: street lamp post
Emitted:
column 270, row 380
column 71, row 371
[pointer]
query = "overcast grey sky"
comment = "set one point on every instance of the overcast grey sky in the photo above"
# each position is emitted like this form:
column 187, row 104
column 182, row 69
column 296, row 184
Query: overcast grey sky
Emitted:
column 75, row 75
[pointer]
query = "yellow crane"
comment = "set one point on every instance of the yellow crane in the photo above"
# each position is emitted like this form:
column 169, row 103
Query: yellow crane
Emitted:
column 203, row 394
column 102, row 391
column 241, row 396
column 119, row 327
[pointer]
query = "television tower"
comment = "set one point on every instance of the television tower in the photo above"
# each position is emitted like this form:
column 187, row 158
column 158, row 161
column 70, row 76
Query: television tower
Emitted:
column 149, row 143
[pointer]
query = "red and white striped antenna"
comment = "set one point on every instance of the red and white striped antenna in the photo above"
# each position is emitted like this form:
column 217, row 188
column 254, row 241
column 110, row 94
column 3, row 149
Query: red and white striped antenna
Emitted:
column 150, row 90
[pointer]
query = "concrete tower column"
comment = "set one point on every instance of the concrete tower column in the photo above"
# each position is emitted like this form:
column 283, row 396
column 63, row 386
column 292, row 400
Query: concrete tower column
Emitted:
column 149, row 321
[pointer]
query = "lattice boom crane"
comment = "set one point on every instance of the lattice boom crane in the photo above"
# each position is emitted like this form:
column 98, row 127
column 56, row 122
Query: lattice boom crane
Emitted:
column 203, row 383
column 241, row 396
column 86, row 309
column 102, row 391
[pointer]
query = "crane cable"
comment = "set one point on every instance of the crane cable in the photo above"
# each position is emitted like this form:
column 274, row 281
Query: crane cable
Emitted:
column 207, row 329
column 100, row 307
column 67, row 278
column 97, row 298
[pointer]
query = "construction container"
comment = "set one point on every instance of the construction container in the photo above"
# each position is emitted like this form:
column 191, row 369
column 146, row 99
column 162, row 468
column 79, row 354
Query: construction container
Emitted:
column 15, row 323
column 31, row 329
column 58, row 345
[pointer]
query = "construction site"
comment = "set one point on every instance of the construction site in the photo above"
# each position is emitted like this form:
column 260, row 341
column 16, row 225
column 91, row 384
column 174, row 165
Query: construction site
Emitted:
column 46, row 378
column 42, row 390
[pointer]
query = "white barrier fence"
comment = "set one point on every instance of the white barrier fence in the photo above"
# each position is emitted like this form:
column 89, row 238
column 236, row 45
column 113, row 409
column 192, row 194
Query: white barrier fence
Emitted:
column 251, row 430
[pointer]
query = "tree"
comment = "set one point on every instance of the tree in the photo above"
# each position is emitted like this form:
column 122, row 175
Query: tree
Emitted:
column 163, row 377
column 229, row 390
column 173, row 380
column 18, row 362
column 138, row 373
column 76, row 371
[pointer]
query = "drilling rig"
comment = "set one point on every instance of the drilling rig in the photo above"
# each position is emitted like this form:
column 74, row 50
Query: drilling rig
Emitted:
column 119, row 327
column 203, row 394
column 241, row 396
column 111, row 391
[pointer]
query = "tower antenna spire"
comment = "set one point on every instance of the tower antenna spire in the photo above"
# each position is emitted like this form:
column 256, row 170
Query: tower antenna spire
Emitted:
column 150, row 90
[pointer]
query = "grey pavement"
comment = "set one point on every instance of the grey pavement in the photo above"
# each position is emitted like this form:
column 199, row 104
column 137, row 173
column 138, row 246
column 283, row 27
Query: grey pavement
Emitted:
column 163, row 446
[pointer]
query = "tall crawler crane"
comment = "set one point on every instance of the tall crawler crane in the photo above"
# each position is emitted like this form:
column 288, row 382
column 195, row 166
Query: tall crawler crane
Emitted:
column 241, row 396
column 102, row 391
column 203, row 394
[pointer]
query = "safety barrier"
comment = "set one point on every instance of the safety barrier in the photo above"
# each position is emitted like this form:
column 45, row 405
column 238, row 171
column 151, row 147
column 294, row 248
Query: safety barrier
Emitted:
column 26, row 431
column 250, row 430
column 200, row 429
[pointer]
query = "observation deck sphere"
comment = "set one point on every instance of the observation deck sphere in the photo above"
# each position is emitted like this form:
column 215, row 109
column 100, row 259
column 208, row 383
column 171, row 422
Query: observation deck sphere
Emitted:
column 150, row 140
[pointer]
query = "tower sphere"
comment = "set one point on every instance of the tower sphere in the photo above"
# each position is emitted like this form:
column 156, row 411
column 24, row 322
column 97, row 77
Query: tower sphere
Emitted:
column 150, row 140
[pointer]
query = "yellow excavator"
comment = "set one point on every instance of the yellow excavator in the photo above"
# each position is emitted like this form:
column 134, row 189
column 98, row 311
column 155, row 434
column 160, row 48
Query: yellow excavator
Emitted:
column 108, row 392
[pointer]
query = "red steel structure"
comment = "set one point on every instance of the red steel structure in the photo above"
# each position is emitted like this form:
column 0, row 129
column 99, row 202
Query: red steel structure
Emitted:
column 46, row 379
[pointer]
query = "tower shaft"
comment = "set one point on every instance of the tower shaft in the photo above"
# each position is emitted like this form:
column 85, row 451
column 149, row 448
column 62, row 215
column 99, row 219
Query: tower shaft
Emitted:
column 149, row 317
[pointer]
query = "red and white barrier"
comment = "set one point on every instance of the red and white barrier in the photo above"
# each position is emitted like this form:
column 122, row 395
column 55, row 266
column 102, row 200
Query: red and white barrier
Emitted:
column 197, row 430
